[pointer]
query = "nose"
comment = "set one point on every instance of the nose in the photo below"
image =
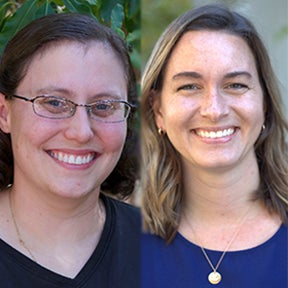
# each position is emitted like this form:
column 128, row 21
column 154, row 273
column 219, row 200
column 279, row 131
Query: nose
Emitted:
column 214, row 105
column 79, row 126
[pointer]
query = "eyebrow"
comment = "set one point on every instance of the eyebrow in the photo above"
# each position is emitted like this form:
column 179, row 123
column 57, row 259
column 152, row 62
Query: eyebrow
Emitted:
column 51, row 90
column 237, row 73
column 187, row 74
column 196, row 75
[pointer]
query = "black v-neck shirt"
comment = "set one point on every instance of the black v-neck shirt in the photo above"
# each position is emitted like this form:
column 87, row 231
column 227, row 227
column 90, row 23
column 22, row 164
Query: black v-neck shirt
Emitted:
column 114, row 263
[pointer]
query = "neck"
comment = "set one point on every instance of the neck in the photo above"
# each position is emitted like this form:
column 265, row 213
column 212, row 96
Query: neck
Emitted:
column 220, row 204
column 80, row 220
column 40, row 216
column 213, row 195
column 60, row 236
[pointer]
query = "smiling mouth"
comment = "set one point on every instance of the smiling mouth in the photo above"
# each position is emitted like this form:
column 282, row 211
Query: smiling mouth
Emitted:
column 215, row 134
column 71, row 158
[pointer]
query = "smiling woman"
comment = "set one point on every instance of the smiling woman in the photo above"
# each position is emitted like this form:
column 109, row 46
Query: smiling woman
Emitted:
column 213, row 100
column 65, row 132
column 213, row 133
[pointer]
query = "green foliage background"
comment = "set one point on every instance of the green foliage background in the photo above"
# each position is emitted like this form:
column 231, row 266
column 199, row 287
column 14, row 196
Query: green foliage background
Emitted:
column 123, row 16
column 155, row 16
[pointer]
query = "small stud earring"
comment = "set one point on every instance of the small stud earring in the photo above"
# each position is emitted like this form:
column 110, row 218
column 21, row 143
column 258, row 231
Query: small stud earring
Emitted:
column 160, row 131
column 263, row 127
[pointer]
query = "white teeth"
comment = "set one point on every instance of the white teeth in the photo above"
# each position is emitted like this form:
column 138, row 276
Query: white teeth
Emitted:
column 72, row 159
column 215, row 134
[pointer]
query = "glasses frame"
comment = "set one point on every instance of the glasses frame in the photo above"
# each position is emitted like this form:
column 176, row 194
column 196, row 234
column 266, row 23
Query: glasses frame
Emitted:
column 88, row 107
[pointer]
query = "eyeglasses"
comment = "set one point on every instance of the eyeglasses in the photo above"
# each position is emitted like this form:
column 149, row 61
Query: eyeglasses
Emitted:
column 53, row 107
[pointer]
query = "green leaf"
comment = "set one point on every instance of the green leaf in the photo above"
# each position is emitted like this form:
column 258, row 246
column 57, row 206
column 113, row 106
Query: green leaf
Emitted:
column 57, row 2
column 76, row 6
column 133, row 7
column 3, row 10
column 133, row 36
column 22, row 16
column 106, row 9
column 120, row 32
column 117, row 17
column 92, row 2
column 44, row 9
column 136, row 59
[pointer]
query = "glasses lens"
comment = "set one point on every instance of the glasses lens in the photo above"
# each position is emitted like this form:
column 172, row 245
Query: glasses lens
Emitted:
column 53, row 107
column 110, row 111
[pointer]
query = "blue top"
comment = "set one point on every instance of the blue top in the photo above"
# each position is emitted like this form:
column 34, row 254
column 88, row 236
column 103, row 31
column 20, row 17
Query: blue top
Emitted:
column 183, row 265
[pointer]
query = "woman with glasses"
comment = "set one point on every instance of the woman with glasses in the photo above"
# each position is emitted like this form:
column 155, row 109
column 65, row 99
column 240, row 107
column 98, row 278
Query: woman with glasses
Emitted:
column 67, row 90
column 215, row 173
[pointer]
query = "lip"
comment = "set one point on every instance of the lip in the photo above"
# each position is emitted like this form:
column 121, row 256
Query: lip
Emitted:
column 73, row 158
column 216, row 134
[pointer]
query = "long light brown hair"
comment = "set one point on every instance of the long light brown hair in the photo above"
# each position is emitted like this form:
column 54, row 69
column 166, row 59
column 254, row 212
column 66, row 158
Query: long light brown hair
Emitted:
column 161, row 173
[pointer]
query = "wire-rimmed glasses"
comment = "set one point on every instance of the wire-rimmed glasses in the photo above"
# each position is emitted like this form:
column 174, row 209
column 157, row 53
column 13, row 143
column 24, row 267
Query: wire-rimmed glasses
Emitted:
column 54, row 107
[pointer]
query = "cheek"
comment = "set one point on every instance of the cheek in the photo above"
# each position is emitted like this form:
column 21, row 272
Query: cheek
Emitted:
column 254, row 110
column 178, row 112
column 26, row 139
column 25, row 144
column 113, row 137
column 24, row 122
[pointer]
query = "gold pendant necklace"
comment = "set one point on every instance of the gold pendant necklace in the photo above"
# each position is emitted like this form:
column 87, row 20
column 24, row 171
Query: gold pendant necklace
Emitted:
column 215, row 277
column 21, row 241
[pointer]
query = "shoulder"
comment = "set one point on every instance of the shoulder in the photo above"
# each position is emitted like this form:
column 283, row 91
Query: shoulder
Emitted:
column 151, row 241
column 282, row 234
column 124, row 223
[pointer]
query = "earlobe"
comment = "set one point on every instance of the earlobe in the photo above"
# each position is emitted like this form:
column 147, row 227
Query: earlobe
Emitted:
column 4, row 114
column 156, row 106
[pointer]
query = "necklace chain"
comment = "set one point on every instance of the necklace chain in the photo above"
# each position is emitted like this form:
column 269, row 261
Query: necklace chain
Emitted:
column 21, row 241
column 215, row 277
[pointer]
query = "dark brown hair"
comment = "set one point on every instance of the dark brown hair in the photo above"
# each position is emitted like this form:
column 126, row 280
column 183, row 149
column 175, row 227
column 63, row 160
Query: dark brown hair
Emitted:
column 68, row 27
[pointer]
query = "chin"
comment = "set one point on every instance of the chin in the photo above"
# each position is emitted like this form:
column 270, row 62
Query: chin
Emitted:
column 73, row 190
column 220, row 164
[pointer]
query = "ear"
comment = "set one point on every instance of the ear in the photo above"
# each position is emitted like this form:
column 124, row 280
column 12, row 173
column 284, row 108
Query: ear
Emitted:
column 4, row 114
column 155, row 97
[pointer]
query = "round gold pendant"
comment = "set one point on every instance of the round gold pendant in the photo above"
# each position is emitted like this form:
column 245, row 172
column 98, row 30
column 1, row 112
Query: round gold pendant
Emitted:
column 214, row 277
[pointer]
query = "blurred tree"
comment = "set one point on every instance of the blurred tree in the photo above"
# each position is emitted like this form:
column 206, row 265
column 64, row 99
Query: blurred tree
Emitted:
column 123, row 16
column 156, row 15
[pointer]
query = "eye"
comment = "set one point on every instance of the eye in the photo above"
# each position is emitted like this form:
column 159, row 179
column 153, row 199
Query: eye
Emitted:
column 103, row 106
column 188, row 87
column 53, row 104
column 238, row 88
column 103, row 109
